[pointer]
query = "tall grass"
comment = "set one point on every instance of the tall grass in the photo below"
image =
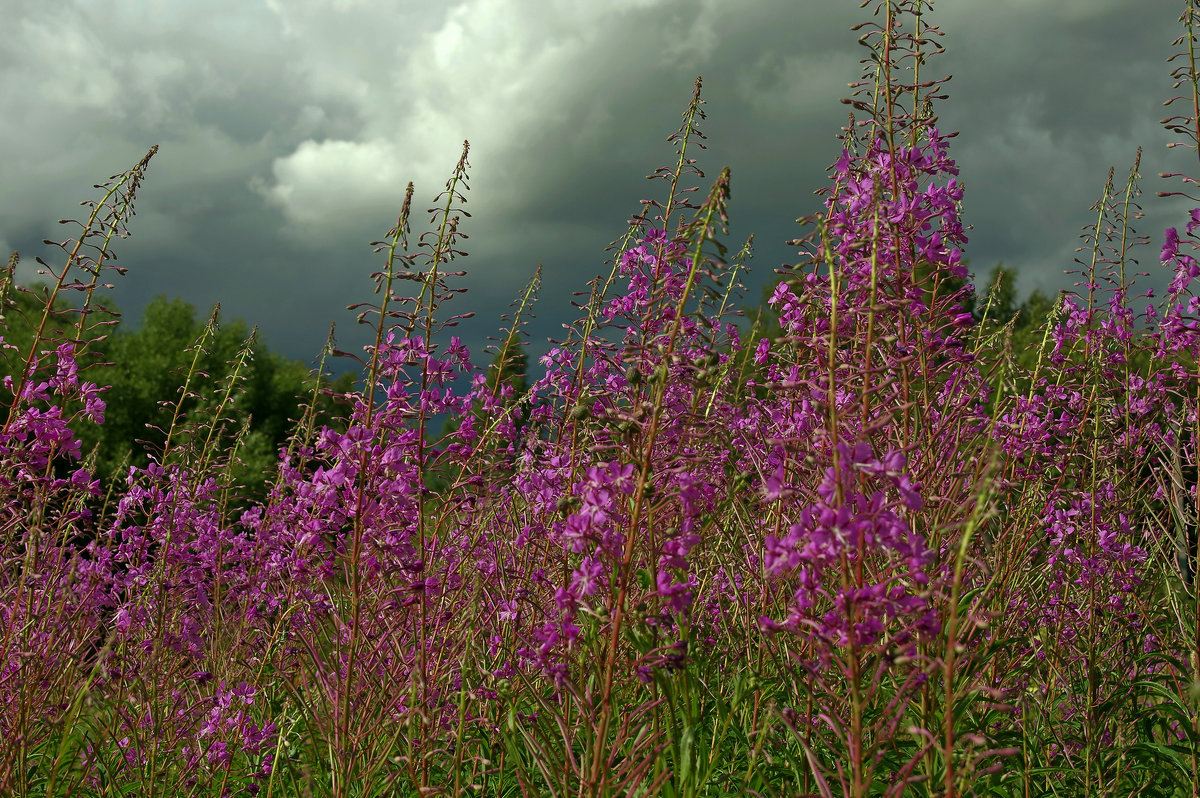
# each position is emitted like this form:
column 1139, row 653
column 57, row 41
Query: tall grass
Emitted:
column 872, row 556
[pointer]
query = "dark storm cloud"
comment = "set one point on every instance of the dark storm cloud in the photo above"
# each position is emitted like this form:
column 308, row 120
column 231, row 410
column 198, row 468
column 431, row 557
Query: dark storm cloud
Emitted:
column 1047, row 97
column 288, row 130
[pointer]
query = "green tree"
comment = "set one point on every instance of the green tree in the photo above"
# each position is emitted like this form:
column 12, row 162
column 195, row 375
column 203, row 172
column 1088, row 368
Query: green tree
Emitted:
column 149, row 367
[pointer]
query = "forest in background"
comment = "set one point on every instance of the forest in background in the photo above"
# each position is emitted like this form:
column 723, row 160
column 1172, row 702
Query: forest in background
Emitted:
column 146, row 362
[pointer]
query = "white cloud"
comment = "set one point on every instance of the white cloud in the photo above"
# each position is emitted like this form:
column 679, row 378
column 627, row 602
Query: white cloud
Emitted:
column 331, row 180
column 318, row 112
column 49, row 53
column 511, row 77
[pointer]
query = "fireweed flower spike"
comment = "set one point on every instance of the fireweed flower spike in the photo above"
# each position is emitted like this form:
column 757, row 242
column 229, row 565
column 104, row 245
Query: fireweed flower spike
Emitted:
column 868, row 545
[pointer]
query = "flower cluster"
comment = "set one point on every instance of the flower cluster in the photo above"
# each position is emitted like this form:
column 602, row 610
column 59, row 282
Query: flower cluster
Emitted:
column 871, row 500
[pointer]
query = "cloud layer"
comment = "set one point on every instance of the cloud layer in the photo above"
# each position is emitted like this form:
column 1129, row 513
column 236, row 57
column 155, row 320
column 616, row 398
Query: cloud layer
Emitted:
column 289, row 129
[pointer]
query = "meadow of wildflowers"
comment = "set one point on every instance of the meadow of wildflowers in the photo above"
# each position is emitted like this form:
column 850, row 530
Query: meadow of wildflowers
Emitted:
column 872, row 555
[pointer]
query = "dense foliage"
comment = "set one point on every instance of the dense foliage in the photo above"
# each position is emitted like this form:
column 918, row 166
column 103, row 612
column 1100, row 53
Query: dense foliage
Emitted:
column 873, row 547
column 145, row 369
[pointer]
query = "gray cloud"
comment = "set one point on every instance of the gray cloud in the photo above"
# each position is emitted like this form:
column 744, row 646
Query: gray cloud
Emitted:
column 289, row 129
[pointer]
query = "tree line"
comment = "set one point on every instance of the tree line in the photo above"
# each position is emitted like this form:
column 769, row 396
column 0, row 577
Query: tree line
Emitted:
column 147, row 366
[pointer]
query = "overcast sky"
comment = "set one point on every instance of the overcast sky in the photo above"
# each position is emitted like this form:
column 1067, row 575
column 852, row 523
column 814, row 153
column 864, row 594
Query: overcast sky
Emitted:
column 288, row 130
